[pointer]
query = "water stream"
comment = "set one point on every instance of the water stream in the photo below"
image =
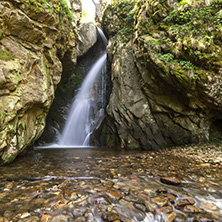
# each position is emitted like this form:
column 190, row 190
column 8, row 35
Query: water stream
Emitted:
column 107, row 184
column 87, row 110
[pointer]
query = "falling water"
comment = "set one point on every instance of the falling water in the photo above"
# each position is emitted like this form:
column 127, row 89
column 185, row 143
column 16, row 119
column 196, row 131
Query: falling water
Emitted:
column 87, row 109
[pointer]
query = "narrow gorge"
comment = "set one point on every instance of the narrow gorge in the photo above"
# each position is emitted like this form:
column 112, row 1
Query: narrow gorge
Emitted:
column 110, row 110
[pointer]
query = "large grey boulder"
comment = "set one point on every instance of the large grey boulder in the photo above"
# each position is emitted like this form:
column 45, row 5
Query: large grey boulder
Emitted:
column 87, row 37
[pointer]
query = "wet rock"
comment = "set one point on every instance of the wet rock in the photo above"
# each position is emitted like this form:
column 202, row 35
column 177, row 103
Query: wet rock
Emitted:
column 126, row 203
column 170, row 217
column 3, row 219
column 126, row 212
column 60, row 218
column 180, row 218
column 114, row 195
column 25, row 214
column 205, row 218
column 184, row 201
column 87, row 37
column 37, row 203
column 162, row 190
column 140, row 206
column 110, row 216
column 190, row 209
column 171, row 198
column 80, row 219
column 7, row 213
column 99, row 200
column 70, row 195
column 46, row 218
column 79, row 212
column 160, row 201
column 109, row 184
column 30, row 219
column 170, row 180
column 164, row 210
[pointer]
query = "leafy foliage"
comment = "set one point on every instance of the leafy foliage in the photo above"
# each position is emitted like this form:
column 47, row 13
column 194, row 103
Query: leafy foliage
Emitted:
column 195, row 18
column 125, row 12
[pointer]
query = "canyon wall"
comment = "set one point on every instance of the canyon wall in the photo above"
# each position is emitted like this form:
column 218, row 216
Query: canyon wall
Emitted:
column 38, row 43
column 166, row 72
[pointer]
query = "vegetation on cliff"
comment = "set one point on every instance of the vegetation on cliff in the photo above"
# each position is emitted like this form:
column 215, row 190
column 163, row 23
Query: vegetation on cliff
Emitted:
column 122, row 14
column 175, row 47
column 54, row 7
column 37, row 44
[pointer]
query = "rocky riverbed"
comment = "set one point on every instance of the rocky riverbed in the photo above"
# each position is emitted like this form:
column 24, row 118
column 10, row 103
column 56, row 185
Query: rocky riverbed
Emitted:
column 177, row 184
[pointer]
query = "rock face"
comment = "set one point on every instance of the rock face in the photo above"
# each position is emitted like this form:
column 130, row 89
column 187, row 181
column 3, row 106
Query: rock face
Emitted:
column 37, row 44
column 166, row 65
column 87, row 37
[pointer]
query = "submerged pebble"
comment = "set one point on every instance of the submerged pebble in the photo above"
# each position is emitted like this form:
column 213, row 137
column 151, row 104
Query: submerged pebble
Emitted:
column 91, row 185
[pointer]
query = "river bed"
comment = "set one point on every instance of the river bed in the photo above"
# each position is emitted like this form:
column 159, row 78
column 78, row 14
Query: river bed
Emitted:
column 95, row 184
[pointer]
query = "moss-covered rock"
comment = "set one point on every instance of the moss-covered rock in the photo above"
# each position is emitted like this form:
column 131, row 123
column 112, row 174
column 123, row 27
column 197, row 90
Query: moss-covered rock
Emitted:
column 36, row 39
column 176, row 61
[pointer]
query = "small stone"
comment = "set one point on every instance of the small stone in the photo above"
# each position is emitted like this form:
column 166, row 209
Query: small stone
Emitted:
column 80, row 219
column 205, row 218
column 60, row 218
column 180, row 218
column 46, row 218
column 3, row 219
column 110, row 216
column 164, row 210
column 162, row 190
column 7, row 214
column 109, row 183
column 170, row 180
column 140, row 206
column 170, row 217
column 190, row 209
column 114, row 195
column 183, row 202
column 24, row 215
column 98, row 200
column 31, row 219
column 160, row 201
column 170, row 197
column 70, row 195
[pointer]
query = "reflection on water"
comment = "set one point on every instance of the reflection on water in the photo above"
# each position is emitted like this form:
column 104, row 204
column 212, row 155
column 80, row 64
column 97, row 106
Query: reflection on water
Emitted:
column 41, row 161
column 106, row 185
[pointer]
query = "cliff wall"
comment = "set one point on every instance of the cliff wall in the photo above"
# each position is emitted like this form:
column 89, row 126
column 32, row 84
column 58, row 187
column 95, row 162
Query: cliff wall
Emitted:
column 166, row 71
column 37, row 45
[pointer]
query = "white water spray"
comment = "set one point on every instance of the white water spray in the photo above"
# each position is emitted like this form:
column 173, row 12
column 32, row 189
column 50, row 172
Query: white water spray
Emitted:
column 87, row 109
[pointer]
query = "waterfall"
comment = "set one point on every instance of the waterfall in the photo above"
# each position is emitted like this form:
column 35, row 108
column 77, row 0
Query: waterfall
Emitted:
column 87, row 110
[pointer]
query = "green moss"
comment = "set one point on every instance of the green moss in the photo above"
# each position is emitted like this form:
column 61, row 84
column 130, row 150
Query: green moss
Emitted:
column 195, row 19
column 125, row 10
column 6, row 55
column 54, row 6
column 8, row 159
